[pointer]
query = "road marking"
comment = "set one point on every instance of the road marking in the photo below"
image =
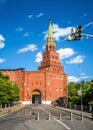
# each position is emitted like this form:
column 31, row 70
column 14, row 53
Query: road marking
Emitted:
column 62, row 123
column 45, row 110
column 58, row 120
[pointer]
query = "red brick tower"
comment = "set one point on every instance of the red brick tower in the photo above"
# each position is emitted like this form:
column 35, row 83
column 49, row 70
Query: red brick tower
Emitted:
column 50, row 60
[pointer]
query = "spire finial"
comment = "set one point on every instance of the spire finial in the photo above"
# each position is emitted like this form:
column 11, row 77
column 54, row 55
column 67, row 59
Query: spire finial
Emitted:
column 50, row 19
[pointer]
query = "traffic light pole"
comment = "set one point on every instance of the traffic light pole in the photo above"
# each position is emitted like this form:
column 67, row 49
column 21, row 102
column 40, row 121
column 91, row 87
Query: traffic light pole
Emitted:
column 76, row 34
column 87, row 35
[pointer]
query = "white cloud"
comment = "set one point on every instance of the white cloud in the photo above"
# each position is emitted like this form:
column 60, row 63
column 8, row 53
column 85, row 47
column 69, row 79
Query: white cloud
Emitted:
column 2, row 39
column 2, row 60
column 30, row 16
column 38, row 57
column 78, row 79
column 19, row 29
column 39, row 15
column 77, row 60
column 89, row 24
column 65, row 53
column 60, row 32
column 73, row 79
column 44, row 47
column 26, row 34
column 30, row 47
column 84, row 76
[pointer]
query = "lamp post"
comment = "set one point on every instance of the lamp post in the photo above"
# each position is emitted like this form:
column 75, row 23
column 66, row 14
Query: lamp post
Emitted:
column 81, row 88
column 67, row 94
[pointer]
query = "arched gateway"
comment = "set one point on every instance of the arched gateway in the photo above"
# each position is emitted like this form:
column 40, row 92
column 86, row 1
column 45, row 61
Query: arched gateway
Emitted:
column 36, row 97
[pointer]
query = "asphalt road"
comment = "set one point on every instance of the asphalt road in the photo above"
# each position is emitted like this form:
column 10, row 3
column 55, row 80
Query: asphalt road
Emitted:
column 43, row 117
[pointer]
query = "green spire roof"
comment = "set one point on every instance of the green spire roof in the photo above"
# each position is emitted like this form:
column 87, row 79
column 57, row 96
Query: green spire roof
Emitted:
column 50, row 33
column 50, row 37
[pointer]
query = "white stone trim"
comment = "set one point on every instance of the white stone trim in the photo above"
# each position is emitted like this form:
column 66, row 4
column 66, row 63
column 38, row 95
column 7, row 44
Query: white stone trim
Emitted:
column 46, row 102
column 26, row 102
column 30, row 102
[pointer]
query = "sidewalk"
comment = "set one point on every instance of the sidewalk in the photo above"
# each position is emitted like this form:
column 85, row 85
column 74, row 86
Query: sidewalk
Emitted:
column 77, row 112
column 5, row 111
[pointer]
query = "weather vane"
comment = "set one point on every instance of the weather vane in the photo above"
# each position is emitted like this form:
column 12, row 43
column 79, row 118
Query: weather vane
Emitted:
column 50, row 19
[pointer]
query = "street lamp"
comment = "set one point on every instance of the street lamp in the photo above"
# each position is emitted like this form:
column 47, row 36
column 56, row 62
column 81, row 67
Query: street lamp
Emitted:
column 81, row 88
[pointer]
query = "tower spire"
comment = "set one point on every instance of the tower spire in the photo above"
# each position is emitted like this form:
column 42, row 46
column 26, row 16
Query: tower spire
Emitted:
column 50, row 33
column 50, row 37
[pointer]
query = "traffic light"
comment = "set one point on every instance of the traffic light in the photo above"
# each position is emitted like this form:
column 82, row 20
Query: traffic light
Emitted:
column 79, row 32
column 72, row 36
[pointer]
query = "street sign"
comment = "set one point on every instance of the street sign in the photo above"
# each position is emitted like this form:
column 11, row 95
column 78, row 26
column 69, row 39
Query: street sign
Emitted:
column 79, row 92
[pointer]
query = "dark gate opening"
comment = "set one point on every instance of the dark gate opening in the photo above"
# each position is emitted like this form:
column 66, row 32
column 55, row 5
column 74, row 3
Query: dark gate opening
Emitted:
column 36, row 97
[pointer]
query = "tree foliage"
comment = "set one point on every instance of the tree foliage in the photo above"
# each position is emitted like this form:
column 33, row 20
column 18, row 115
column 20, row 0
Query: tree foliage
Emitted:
column 87, row 92
column 9, row 91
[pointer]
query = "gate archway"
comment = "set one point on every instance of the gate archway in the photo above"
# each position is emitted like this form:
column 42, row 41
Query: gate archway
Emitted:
column 36, row 97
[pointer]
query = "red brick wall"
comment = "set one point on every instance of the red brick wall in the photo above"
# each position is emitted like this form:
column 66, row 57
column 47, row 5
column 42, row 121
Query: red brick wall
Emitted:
column 50, row 84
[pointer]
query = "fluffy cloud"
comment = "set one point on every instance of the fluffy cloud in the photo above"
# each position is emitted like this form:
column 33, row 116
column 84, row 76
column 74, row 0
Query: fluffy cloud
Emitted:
column 38, row 57
column 30, row 16
column 60, row 32
column 26, row 34
column 30, row 47
column 65, row 53
column 77, row 60
column 78, row 79
column 39, row 15
column 2, row 60
column 19, row 29
column 2, row 39
column 73, row 79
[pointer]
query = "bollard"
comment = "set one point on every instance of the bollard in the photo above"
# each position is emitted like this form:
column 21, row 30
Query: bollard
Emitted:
column 17, row 112
column 71, row 116
column 49, row 116
column 38, row 116
column 60, row 116
column 75, row 107
column 33, row 111
column 82, row 116
column 9, row 112
column 24, row 112
column 9, row 105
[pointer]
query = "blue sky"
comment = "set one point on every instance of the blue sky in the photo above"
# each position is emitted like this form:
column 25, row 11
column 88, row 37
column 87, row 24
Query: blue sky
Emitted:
column 23, row 29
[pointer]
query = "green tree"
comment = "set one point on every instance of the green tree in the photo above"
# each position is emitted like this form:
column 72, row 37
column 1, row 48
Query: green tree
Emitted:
column 73, row 97
column 9, row 91
column 87, row 93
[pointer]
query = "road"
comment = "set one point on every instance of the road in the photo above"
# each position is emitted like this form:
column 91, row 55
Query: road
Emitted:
column 43, row 117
